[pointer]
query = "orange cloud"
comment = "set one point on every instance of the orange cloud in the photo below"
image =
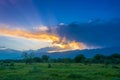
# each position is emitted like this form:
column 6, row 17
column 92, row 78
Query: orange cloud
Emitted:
column 29, row 35
column 57, row 41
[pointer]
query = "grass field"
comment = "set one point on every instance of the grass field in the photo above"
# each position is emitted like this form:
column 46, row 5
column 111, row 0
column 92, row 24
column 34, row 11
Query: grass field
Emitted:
column 59, row 71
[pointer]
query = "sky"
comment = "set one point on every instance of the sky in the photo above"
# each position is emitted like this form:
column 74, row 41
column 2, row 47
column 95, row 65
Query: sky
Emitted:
column 66, row 24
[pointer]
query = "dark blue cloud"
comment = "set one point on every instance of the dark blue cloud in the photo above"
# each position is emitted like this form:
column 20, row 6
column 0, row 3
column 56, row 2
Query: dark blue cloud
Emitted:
column 97, row 32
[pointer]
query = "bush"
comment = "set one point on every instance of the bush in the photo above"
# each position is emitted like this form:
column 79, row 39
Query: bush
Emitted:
column 11, row 64
column 49, row 66
column 34, row 69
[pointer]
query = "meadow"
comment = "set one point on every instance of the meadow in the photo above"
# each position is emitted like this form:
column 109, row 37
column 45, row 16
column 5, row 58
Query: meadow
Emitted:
column 58, row 71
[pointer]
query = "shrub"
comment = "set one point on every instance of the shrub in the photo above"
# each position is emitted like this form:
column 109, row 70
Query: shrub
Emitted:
column 49, row 66
column 11, row 64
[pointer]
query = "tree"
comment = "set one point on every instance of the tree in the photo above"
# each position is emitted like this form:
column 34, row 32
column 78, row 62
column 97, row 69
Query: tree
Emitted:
column 79, row 58
column 52, row 60
column 99, row 58
column 37, row 59
column 30, row 57
column 25, row 57
column 60, row 60
column 114, row 58
column 88, row 61
column 45, row 58
column 67, row 60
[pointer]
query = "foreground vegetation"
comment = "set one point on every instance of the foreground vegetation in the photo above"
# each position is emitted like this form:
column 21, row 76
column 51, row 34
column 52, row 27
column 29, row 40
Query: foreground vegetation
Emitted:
column 99, row 67
column 58, row 71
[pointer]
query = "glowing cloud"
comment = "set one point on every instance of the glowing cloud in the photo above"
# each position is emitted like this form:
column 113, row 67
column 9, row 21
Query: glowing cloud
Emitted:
column 56, row 41
column 29, row 35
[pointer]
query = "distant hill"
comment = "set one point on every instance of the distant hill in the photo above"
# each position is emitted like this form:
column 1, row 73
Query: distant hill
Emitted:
column 14, row 54
column 87, row 52
column 10, row 54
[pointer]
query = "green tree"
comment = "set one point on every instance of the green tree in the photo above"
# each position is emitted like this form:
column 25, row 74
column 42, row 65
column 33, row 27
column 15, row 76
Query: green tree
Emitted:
column 37, row 59
column 67, row 60
column 88, row 61
column 45, row 58
column 30, row 57
column 25, row 57
column 114, row 58
column 60, row 60
column 79, row 58
column 99, row 58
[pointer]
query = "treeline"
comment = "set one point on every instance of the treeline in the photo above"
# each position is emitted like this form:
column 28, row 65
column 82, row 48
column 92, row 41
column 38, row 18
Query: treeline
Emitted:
column 98, row 58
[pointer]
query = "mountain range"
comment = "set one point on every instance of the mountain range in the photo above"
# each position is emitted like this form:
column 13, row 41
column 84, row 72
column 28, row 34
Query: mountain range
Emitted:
column 16, row 54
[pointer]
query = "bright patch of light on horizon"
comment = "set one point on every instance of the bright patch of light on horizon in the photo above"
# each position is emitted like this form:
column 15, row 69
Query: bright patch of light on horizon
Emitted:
column 22, row 43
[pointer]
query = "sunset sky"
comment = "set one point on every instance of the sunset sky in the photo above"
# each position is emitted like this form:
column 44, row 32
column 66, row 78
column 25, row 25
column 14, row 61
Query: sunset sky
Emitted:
column 63, row 24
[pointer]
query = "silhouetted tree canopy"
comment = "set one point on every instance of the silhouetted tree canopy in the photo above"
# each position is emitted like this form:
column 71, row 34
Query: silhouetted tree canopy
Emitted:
column 80, row 58
column 45, row 58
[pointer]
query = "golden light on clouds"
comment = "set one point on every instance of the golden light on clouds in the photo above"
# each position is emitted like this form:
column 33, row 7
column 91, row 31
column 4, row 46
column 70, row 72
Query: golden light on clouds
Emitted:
column 70, row 45
column 29, row 35
column 56, row 41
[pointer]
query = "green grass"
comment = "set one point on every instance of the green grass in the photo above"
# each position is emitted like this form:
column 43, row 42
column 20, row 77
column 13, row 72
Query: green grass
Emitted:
column 59, row 71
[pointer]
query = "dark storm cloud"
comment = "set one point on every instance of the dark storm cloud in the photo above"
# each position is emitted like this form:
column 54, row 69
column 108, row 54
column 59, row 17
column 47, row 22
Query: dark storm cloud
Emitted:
column 97, row 32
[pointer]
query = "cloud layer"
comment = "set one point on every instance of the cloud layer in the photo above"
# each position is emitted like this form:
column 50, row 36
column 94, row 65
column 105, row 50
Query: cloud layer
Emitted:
column 96, row 32
column 42, row 35
column 93, row 34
